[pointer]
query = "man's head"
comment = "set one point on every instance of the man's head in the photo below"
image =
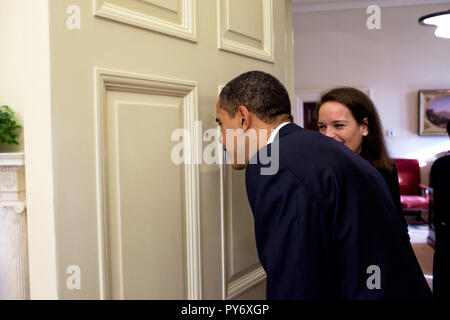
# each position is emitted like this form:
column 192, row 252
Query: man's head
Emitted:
column 254, row 100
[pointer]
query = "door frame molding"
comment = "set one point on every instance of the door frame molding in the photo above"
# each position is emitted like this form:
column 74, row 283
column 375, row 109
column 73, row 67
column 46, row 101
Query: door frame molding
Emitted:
column 302, row 96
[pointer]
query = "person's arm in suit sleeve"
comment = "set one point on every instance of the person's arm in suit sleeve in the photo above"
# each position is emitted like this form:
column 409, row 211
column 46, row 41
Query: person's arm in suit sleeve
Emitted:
column 292, row 236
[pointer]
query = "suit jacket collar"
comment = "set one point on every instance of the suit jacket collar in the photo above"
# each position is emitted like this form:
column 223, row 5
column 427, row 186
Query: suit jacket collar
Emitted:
column 284, row 131
column 287, row 129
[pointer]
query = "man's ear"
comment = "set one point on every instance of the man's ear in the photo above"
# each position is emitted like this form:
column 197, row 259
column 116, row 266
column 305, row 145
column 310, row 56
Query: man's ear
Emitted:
column 244, row 118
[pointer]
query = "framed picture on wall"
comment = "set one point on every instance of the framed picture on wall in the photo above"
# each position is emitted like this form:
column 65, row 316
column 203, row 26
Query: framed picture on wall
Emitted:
column 434, row 112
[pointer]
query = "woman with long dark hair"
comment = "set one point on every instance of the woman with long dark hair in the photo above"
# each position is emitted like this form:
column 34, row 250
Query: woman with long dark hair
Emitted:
column 349, row 116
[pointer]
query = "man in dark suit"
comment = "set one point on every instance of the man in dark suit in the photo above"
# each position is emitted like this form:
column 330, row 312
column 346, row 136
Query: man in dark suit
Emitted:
column 326, row 226
column 440, row 182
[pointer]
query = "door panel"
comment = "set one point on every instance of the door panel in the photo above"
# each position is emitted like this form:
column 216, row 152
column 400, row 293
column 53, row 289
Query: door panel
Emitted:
column 139, row 225
column 238, row 13
column 174, row 17
column 242, row 237
column 244, row 272
column 146, row 218
column 150, row 218
column 246, row 27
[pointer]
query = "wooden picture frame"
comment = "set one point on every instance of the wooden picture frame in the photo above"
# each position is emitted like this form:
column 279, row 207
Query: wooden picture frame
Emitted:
column 434, row 112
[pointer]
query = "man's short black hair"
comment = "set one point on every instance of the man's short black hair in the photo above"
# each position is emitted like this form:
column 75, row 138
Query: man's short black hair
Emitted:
column 261, row 93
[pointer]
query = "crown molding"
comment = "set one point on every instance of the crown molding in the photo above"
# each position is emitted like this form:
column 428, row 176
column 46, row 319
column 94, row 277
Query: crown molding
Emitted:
column 299, row 7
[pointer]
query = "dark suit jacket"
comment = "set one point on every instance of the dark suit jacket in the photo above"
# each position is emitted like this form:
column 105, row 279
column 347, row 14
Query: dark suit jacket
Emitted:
column 440, row 182
column 324, row 219
column 392, row 181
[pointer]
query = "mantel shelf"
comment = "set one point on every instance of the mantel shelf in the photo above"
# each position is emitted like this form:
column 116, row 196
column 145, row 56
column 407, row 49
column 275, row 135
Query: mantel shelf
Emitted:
column 12, row 159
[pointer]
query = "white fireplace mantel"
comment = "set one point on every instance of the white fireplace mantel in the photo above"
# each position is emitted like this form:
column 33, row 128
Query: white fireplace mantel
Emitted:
column 12, row 159
column 13, row 208
column 12, row 180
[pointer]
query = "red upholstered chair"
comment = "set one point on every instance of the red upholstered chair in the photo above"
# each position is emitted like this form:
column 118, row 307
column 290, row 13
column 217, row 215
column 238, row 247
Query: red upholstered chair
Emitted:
column 413, row 194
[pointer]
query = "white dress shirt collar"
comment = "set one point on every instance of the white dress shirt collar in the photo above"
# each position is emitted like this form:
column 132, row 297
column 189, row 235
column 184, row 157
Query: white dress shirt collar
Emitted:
column 275, row 132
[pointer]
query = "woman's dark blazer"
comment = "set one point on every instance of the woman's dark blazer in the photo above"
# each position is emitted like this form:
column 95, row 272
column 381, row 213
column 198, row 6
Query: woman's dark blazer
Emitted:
column 391, row 178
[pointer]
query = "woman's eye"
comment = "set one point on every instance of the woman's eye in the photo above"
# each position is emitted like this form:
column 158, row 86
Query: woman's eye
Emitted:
column 339, row 125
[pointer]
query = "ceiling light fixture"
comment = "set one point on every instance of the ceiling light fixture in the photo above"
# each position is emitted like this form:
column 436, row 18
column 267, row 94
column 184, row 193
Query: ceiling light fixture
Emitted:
column 441, row 20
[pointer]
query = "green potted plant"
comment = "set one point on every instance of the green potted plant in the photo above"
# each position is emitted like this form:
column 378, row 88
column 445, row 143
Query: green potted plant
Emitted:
column 8, row 126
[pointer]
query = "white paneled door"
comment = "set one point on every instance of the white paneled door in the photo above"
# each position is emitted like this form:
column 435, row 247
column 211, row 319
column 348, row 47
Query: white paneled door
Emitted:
column 137, row 224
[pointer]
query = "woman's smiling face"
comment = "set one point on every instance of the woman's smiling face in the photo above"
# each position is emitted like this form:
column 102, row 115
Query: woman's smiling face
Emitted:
column 336, row 121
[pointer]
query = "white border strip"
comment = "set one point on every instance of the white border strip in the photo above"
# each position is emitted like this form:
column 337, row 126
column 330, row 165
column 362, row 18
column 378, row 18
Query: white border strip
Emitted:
column 302, row 8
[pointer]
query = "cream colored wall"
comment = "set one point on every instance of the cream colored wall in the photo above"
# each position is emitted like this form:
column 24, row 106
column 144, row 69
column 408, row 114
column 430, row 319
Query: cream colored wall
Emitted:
column 336, row 48
column 12, row 68
column 25, row 87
